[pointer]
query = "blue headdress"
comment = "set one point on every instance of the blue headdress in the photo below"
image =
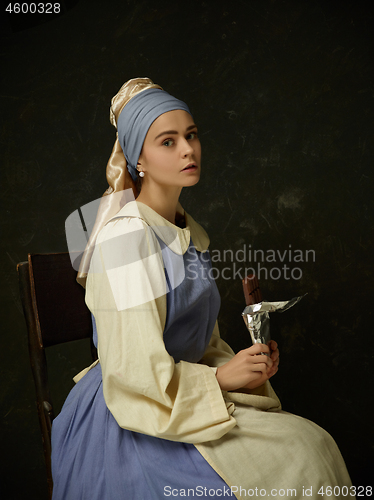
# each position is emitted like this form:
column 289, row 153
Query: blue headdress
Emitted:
column 136, row 118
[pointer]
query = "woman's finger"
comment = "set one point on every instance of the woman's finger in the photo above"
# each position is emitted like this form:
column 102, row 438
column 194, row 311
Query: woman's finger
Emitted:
column 261, row 359
column 274, row 355
column 273, row 345
column 258, row 348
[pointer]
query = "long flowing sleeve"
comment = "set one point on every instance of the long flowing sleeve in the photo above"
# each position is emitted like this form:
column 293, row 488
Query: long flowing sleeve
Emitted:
column 218, row 351
column 145, row 390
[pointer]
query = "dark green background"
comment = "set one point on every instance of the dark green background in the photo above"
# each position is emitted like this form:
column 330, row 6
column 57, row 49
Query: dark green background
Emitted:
column 282, row 93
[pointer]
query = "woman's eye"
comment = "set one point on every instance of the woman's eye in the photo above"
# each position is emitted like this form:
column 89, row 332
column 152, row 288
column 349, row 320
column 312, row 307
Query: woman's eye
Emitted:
column 190, row 136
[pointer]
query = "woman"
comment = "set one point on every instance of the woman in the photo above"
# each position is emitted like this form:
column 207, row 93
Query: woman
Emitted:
column 170, row 410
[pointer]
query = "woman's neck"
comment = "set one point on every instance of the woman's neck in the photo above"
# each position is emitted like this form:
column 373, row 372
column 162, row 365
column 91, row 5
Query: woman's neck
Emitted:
column 164, row 203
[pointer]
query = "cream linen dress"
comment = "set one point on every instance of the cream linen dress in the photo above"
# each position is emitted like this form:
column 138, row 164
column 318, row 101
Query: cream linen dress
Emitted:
column 255, row 447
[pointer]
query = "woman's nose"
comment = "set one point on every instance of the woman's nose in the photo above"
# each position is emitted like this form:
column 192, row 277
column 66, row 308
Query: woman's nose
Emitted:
column 187, row 148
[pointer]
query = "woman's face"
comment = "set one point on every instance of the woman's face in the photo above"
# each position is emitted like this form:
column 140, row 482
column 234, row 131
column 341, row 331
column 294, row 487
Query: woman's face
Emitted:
column 171, row 144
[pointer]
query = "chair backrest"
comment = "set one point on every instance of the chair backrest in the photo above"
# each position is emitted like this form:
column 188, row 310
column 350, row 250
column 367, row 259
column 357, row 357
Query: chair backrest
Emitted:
column 55, row 312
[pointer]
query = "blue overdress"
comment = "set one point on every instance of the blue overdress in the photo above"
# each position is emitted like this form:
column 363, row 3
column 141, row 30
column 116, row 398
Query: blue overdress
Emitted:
column 95, row 459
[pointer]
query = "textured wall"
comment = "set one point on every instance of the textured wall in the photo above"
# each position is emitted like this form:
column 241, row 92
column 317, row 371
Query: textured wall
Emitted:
column 282, row 94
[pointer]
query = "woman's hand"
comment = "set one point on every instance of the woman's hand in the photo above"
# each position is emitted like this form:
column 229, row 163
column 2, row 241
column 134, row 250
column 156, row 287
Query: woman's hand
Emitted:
column 275, row 358
column 249, row 368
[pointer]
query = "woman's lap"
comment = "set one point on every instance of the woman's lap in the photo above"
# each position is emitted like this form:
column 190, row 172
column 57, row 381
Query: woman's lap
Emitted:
column 93, row 458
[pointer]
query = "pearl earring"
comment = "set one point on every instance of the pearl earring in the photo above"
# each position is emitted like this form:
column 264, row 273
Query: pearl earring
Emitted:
column 141, row 174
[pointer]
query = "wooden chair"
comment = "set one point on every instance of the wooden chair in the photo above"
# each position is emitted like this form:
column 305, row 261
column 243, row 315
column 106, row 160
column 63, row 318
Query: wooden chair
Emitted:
column 55, row 312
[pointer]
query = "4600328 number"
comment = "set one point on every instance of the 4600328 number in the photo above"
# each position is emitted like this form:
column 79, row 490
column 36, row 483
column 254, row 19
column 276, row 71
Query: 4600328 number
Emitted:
column 345, row 491
column 34, row 8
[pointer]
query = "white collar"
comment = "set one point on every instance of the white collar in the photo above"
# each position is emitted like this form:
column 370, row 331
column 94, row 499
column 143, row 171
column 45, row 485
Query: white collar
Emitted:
column 157, row 222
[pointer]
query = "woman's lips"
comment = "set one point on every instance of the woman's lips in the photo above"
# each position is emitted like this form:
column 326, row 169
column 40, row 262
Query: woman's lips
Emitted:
column 190, row 168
